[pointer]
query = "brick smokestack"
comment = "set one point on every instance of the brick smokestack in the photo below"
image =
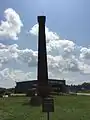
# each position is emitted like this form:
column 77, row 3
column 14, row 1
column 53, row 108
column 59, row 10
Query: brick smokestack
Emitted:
column 42, row 57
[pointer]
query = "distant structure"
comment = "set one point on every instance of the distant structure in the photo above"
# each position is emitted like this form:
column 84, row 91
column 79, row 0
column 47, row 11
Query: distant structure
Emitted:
column 25, row 86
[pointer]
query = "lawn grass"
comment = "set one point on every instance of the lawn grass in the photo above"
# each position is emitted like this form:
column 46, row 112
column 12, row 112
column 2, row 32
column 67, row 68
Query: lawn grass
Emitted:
column 66, row 108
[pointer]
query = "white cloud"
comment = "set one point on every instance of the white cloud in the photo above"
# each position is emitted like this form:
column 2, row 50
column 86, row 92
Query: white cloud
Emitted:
column 85, row 53
column 55, row 63
column 9, row 77
column 54, row 44
column 7, row 53
column 12, row 52
column 63, row 47
column 64, row 55
column 27, row 56
column 11, row 27
column 49, row 34
column 58, row 64
column 65, row 58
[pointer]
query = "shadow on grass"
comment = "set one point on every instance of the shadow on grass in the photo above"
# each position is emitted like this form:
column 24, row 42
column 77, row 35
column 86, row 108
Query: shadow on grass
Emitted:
column 35, row 101
column 31, row 105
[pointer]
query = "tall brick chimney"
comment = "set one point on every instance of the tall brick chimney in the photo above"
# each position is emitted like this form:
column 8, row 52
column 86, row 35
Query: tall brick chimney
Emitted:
column 42, row 58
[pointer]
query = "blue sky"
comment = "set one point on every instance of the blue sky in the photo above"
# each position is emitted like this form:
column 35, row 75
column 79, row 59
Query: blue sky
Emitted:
column 70, row 19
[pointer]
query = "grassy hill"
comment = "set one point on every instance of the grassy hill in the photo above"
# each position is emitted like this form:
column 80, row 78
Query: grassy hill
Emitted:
column 66, row 108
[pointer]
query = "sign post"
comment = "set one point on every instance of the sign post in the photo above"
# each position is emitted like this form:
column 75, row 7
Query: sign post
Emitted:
column 48, row 106
column 47, row 115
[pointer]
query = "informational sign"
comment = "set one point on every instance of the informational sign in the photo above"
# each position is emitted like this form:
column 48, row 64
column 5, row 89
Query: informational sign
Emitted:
column 48, row 105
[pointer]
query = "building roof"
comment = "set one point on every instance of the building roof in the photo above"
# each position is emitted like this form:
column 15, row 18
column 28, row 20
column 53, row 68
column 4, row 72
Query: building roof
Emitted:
column 36, row 80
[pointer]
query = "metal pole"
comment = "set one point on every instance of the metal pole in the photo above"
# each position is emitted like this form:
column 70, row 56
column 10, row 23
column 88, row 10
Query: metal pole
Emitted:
column 47, row 115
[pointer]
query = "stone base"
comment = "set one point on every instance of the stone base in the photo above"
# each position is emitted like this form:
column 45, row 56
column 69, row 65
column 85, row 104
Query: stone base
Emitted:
column 35, row 101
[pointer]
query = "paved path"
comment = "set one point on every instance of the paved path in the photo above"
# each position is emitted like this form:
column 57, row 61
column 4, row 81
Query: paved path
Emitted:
column 87, row 94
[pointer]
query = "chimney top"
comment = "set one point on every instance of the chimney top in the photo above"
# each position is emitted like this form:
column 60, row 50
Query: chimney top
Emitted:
column 41, row 19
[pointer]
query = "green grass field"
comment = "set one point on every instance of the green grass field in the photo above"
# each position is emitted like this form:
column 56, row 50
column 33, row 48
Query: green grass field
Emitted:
column 66, row 108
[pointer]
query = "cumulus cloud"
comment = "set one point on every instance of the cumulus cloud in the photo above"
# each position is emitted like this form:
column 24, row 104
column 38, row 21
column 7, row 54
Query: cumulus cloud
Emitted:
column 7, row 53
column 11, row 27
column 54, row 44
column 12, row 52
column 65, row 58
column 85, row 53
column 55, row 63
column 27, row 56
column 12, row 76
column 63, row 47
column 49, row 34
column 64, row 55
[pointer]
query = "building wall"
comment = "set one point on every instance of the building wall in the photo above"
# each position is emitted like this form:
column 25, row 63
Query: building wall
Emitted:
column 23, row 87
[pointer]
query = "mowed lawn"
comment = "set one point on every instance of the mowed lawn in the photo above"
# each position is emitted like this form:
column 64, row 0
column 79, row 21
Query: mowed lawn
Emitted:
column 66, row 108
